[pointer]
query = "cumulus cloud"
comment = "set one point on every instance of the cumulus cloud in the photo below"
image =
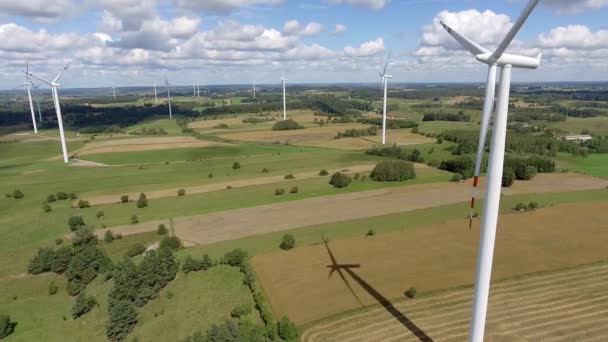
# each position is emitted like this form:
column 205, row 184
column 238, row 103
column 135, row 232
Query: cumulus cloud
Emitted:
column 38, row 10
column 574, row 37
column 16, row 38
column 372, row 4
column 127, row 15
column 367, row 49
column 340, row 28
column 223, row 6
column 294, row 28
column 575, row 6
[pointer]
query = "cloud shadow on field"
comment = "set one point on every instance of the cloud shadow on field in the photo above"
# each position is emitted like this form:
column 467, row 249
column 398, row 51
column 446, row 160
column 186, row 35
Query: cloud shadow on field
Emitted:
column 388, row 306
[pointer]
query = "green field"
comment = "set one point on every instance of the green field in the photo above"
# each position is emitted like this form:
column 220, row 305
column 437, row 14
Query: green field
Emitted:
column 169, row 126
column 595, row 164
column 596, row 125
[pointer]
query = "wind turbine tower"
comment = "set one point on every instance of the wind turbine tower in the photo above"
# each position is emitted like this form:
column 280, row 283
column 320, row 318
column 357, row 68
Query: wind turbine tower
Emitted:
column 155, row 95
column 114, row 93
column 283, row 79
column 29, row 97
column 254, row 89
column 168, row 96
column 385, row 78
column 506, row 62
column 198, row 90
column 54, row 85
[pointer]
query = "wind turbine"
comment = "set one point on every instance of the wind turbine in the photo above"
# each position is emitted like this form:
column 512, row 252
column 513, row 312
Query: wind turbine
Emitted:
column 385, row 78
column 194, row 90
column 34, row 86
column 155, row 96
column 114, row 93
column 168, row 96
column 497, row 152
column 254, row 89
column 283, row 79
column 198, row 90
column 54, row 85
column 29, row 96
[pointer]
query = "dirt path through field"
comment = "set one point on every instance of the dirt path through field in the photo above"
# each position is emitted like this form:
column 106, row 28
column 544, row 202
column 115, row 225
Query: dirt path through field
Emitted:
column 239, row 223
column 115, row 198
column 428, row 258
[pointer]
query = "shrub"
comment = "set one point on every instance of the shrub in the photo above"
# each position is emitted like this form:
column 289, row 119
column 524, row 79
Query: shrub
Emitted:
column 118, row 236
column 142, row 202
column 82, row 305
column 6, row 326
column 136, row 249
column 440, row 140
column 235, row 258
column 124, row 198
column 288, row 242
column 61, row 260
column 162, row 229
column 17, row 194
column 356, row 176
column 464, row 165
column 525, row 172
column 287, row 330
column 108, row 236
column 279, row 191
column 75, row 222
column 241, row 310
column 171, row 242
column 508, row 177
column 194, row 265
column 73, row 195
column 411, row 293
column 122, row 320
column 457, row 177
column 46, row 208
column 371, row 232
column 520, row 207
column 393, row 170
column 286, row 125
column 51, row 198
column 53, row 288
column 265, row 170
column 62, row 195
column 533, row 205
column 134, row 219
column 181, row 192
column 323, row 173
column 294, row 190
column 100, row 214
column 236, row 165
column 290, row 176
column 210, row 175
column 339, row 180
column 83, row 204
column 58, row 241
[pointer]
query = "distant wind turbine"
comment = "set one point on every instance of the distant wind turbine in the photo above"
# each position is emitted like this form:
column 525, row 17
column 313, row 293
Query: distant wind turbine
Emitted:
column 54, row 85
column 385, row 78
column 114, row 93
column 155, row 96
column 28, row 85
column 168, row 96
column 497, row 152
column 36, row 98
column 198, row 90
column 283, row 79
column 254, row 89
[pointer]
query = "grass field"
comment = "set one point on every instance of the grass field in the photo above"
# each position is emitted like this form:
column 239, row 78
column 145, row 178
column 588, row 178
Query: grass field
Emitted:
column 199, row 300
column 595, row 164
column 170, row 126
column 596, row 125
column 565, row 305
column 389, row 264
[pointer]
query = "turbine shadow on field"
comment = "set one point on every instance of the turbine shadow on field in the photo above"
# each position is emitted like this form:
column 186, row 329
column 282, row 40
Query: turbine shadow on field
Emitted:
column 406, row 322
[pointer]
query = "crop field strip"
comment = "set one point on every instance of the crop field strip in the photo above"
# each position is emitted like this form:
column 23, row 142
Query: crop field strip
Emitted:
column 569, row 305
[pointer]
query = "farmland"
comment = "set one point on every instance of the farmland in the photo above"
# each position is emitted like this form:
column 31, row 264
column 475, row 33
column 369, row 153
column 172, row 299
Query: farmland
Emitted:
column 220, row 177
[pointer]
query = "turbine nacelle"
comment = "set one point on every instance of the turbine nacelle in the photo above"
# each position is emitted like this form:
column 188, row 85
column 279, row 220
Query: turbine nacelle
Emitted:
column 515, row 61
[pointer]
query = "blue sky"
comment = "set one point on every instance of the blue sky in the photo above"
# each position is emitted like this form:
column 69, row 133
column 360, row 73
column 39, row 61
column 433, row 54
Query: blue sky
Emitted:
column 134, row 42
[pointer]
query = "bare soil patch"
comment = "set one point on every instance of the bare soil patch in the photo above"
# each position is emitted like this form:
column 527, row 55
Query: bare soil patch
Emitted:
column 144, row 144
column 327, row 132
column 428, row 258
column 239, row 223
column 401, row 137
column 567, row 305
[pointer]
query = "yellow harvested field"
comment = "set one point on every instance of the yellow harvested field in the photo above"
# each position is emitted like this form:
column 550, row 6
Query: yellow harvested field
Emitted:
column 230, row 121
column 327, row 132
column 401, row 137
column 144, row 144
column 566, row 305
column 456, row 99
column 381, row 268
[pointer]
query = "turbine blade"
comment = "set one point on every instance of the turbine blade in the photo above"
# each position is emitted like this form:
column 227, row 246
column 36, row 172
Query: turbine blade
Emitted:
column 468, row 44
column 488, row 106
column 511, row 35
column 61, row 73
column 40, row 79
column 386, row 64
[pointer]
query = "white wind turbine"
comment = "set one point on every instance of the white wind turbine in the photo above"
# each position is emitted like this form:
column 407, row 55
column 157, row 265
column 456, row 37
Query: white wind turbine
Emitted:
column 114, row 93
column 168, row 96
column 385, row 78
column 254, row 89
column 497, row 152
column 155, row 95
column 54, row 85
column 198, row 90
column 28, row 85
column 283, row 79
column 37, row 99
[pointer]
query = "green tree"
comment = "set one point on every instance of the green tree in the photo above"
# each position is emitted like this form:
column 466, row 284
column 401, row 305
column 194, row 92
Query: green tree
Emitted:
column 142, row 202
column 46, row 208
column 236, row 165
column 75, row 222
column 51, row 198
column 323, row 173
column 108, row 236
column 17, row 194
column 393, row 170
column 62, row 195
column 53, row 288
column 82, row 305
column 136, row 249
column 181, row 192
column 288, row 242
column 122, row 320
column 508, row 177
column 287, row 330
column 171, row 242
column 7, row 326
column 285, row 125
column 241, row 310
column 339, row 180
column 124, row 198
column 236, row 257
column 61, row 259
column 162, row 229
column 42, row 261
column 134, row 219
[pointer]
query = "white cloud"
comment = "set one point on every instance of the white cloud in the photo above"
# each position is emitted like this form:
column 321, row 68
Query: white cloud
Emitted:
column 223, row 6
column 38, row 10
column 340, row 28
column 294, row 28
column 16, row 38
column 575, row 6
column 367, row 49
column 574, row 37
column 372, row 4
column 127, row 15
